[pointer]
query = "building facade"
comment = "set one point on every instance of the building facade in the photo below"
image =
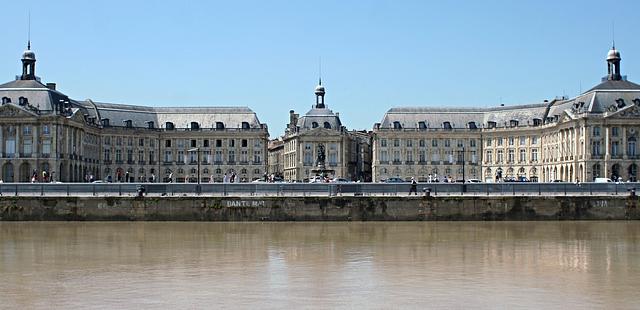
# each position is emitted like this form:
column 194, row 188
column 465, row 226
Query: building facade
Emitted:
column 320, row 129
column 46, row 135
column 579, row 139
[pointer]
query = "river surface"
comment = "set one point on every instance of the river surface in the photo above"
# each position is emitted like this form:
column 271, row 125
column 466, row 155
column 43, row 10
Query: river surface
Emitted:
column 452, row 265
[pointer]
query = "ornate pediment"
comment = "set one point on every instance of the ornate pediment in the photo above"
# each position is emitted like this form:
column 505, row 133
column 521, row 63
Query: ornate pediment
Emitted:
column 630, row 111
column 9, row 110
column 320, row 132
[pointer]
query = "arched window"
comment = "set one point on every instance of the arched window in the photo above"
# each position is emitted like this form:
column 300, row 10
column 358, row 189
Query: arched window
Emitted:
column 6, row 100
column 327, row 125
column 205, row 171
column 314, row 125
column 195, row 126
column 23, row 101
column 150, row 124
column 218, row 171
column 447, row 126
column 243, row 171
column 245, row 125
column 219, row 125
column 422, row 125
column 169, row 126
column 472, row 125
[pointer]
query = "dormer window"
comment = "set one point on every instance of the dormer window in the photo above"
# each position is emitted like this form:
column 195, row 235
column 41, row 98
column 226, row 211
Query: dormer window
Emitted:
column 6, row 100
column 169, row 126
column 636, row 101
column 397, row 125
column 150, row 125
column 472, row 125
column 128, row 123
column 195, row 126
column 491, row 125
column 620, row 103
column 327, row 125
column 314, row 125
column 513, row 123
column 447, row 126
column 422, row 125
column 219, row 125
column 537, row 122
column 23, row 101
column 245, row 125
column 105, row 122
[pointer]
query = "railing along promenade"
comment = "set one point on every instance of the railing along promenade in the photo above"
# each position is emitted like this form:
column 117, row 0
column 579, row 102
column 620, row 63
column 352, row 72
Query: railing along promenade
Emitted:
column 315, row 189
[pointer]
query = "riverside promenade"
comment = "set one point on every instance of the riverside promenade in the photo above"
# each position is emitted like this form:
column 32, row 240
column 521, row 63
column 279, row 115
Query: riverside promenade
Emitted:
column 318, row 202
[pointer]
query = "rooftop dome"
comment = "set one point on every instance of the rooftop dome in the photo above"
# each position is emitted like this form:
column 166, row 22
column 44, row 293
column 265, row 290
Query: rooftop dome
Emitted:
column 613, row 54
column 29, row 54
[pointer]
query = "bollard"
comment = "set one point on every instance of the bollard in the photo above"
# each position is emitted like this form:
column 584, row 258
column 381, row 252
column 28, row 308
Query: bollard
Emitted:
column 67, row 189
column 427, row 192
column 632, row 192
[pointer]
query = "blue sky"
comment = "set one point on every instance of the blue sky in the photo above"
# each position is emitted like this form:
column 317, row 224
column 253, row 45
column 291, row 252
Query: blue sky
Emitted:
column 375, row 54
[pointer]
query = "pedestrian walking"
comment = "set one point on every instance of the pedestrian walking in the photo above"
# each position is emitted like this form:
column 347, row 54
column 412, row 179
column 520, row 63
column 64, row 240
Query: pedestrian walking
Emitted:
column 414, row 187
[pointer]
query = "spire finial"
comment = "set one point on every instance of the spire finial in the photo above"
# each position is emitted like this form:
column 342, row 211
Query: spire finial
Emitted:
column 29, row 32
column 613, row 34
column 320, row 70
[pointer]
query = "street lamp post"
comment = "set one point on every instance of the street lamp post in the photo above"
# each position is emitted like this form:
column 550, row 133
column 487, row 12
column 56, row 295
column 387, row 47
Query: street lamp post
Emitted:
column 197, row 150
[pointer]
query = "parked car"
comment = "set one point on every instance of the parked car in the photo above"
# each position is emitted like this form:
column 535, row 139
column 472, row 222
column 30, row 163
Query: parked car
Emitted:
column 316, row 179
column 473, row 181
column 340, row 180
column 394, row 180
column 99, row 181
column 602, row 180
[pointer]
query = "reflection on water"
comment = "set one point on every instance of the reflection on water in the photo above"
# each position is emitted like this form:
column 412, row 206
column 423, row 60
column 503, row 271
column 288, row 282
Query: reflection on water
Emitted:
column 324, row 265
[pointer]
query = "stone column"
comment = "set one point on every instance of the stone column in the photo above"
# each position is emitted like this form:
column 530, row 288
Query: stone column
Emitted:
column 35, row 143
column 607, row 155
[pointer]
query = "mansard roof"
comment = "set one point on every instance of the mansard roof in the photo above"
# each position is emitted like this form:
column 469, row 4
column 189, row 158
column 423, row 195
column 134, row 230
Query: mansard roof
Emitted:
column 411, row 117
column 181, row 117
column 319, row 116
column 37, row 94
column 616, row 85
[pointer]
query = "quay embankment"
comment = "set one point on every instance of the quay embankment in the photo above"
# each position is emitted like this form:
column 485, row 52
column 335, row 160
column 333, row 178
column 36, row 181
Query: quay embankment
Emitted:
column 318, row 208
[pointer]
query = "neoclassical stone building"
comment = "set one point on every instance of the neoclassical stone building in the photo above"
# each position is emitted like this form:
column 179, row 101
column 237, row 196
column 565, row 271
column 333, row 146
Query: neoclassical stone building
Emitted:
column 347, row 152
column 43, row 130
column 592, row 135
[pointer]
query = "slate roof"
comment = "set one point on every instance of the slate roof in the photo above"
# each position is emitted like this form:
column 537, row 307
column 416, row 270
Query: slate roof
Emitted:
column 36, row 93
column 319, row 116
column 410, row 117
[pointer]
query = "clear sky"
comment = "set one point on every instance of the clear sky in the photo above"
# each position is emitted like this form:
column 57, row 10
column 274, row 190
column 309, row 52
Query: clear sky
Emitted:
column 375, row 54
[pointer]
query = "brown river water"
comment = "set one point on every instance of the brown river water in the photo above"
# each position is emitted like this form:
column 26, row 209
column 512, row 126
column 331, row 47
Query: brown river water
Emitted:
column 415, row 265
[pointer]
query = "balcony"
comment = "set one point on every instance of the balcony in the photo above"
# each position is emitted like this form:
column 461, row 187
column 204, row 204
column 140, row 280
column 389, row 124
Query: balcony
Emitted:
column 131, row 162
column 107, row 162
column 119, row 162
column 167, row 163
column 25, row 155
column 596, row 156
column 422, row 162
column 384, row 162
column 244, row 162
column 397, row 162
column 43, row 155
column 141, row 162
column 409, row 162
column 218, row 162
column 152, row 162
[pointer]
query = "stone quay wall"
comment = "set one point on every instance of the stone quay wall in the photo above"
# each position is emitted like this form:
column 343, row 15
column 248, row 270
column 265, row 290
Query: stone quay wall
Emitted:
column 388, row 208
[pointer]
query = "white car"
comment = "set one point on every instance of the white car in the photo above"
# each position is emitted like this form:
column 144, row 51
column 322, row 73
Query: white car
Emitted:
column 473, row 181
column 340, row 180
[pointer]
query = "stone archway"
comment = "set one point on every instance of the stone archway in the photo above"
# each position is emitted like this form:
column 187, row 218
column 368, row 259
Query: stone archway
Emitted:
column 7, row 173
column 632, row 172
column 615, row 172
column 25, row 172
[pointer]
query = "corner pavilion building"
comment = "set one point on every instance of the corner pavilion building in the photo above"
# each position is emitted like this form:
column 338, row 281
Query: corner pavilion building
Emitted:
column 43, row 130
column 592, row 135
